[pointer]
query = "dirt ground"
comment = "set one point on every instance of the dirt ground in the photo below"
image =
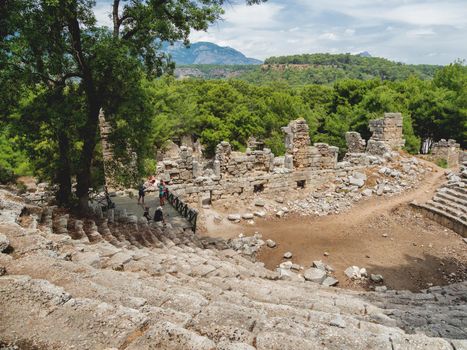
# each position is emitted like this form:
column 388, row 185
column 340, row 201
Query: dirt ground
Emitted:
column 382, row 234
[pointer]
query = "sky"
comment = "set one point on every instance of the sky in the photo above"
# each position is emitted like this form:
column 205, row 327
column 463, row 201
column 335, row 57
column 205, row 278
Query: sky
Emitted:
column 409, row 31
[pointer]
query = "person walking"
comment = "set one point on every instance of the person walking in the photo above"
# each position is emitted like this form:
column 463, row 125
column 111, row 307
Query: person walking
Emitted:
column 141, row 193
column 162, row 193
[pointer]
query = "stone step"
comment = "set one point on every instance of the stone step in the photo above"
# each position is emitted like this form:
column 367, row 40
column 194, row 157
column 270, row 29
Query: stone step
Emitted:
column 455, row 206
column 90, row 228
column 60, row 224
column 454, row 191
column 76, row 230
column 459, row 191
column 452, row 198
column 444, row 218
column 448, row 209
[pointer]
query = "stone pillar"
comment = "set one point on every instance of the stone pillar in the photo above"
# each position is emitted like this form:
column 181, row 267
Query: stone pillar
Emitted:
column 288, row 162
column 107, row 151
column 217, row 168
column 297, row 142
column 448, row 151
column 388, row 130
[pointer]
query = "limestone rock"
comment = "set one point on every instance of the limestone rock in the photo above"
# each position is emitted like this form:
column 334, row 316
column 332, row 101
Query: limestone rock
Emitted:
column 260, row 203
column 319, row 265
column 270, row 243
column 234, row 217
column 352, row 272
column 248, row 216
column 330, row 281
column 288, row 255
column 338, row 321
column 88, row 258
column 4, row 243
column 381, row 289
column 376, row 278
column 356, row 182
column 314, row 275
column 260, row 214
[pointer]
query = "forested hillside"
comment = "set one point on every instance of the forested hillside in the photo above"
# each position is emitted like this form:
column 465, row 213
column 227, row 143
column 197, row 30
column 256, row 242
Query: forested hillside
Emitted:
column 312, row 69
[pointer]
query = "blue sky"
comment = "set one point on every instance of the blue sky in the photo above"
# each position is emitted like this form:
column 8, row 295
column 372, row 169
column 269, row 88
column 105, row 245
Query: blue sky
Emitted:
column 411, row 31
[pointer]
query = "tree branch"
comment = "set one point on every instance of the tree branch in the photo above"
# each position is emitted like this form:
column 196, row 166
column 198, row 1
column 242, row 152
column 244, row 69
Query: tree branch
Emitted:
column 116, row 20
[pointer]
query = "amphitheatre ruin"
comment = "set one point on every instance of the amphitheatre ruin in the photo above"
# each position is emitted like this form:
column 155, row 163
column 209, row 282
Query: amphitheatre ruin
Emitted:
column 310, row 250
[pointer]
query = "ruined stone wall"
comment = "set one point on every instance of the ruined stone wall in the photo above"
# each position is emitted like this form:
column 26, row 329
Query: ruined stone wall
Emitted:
column 355, row 143
column 233, row 175
column 297, row 143
column 388, row 130
column 446, row 150
column 178, row 169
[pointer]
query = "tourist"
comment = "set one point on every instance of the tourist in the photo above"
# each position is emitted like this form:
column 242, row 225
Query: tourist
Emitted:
column 162, row 192
column 146, row 213
column 141, row 192
column 159, row 217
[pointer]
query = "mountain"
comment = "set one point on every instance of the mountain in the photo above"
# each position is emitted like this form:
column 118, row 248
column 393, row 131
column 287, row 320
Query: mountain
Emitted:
column 206, row 53
column 364, row 54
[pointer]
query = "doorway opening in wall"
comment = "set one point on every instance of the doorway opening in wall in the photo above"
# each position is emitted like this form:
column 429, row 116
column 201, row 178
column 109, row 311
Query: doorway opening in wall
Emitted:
column 301, row 184
column 207, row 198
column 258, row 188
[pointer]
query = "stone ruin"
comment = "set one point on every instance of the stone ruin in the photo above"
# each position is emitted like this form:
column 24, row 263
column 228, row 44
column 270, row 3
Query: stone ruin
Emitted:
column 241, row 175
column 387, row 134
column 113, row 166
column 355, row 142
column 448, row 151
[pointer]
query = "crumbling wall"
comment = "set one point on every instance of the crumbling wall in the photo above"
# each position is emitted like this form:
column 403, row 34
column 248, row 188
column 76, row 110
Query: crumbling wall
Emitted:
column 355, row 143
column 297, row 143
column 448, row 151
column 113, row 167
column 178, row 170
column 322, row 156
column 388, row 130
column 233, row 175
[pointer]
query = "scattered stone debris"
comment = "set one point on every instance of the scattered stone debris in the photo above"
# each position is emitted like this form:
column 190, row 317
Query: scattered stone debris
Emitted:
column 330, row 282
column 247, row 245
column 354, row 272
column 4, row 243
column 314, row 275
column 381, row 289
column 234, row 217
column 376, row 278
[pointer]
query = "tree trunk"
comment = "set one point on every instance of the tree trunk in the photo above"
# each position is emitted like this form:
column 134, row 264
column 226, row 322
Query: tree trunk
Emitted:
column 88, row 133
column 84, row 177
column 64, row 172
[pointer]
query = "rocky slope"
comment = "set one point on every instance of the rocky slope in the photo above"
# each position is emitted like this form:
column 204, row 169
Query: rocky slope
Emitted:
column 127, row 285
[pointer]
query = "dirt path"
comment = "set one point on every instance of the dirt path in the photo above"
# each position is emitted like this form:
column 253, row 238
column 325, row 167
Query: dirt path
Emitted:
column 381, row 234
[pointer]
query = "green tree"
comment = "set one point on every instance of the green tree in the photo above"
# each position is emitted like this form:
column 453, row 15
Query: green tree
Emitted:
column 58, row 43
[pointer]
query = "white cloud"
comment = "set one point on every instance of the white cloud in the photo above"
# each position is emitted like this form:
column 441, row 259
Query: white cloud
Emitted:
column 402, row 30
column 102, row 12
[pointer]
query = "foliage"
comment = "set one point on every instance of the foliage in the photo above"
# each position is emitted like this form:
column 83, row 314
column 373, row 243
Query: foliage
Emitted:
column 13, row 161
column 442, row 163
column 301, row 70
column 66, row 69
column 233, row 110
